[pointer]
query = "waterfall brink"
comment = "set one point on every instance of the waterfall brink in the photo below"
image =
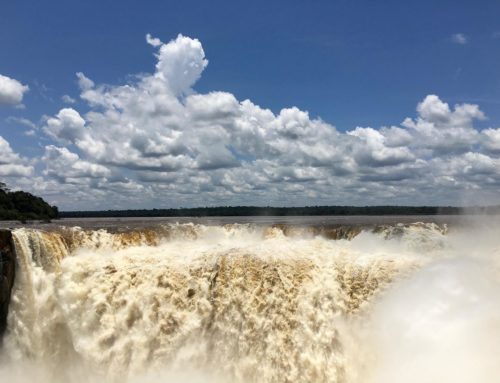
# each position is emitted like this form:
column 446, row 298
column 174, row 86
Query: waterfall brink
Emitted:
column 232, row 303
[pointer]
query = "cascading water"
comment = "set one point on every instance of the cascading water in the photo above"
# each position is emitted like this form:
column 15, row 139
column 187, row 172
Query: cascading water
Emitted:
column 244, row 303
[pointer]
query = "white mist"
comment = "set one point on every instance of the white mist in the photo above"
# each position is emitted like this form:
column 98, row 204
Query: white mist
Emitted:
column 443, row 323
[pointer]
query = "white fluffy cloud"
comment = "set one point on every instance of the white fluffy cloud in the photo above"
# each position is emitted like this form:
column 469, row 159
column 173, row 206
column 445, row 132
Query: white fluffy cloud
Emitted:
column 66, row 127
column 68, row 167
column 490, row 139
column 11, row 91
column 11, row 163
column 180, row 63
column 156, row 142
column 371, row 149
column 442, row 130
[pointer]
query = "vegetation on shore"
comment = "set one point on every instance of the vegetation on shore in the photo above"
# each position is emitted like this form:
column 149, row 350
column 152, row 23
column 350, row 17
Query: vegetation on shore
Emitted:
column 227, row 211
column 23, row 206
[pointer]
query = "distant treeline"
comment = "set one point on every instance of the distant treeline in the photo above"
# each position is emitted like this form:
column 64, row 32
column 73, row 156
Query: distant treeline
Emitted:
column 228, row 211
column 22, row 206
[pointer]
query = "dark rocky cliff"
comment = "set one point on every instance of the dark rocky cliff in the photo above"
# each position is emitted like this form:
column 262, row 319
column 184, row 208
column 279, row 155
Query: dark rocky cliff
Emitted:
column 7, row 274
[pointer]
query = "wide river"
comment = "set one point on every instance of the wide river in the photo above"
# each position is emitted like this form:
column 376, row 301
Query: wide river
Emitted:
column 140, row 222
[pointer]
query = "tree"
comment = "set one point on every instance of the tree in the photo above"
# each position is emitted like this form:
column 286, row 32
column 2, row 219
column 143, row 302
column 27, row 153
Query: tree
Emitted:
column 3, row 187
column 20, row 205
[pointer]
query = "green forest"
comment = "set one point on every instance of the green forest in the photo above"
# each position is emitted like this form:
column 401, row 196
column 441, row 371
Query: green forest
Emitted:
column 228, row 211
column 23, row 206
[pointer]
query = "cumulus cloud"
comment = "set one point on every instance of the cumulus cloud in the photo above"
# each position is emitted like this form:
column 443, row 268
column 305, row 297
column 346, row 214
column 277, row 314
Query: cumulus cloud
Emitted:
column 490, row 139
column 442, row 130
column 180, row 63
column 459, row 38
column 371, row 149
column 11, row 163
column 155, row 141
column 68, row 167
column 66, row 127
column 11, row 91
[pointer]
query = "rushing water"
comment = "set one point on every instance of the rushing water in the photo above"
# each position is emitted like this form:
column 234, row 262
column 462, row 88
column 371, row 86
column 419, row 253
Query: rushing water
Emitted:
column 246, row 302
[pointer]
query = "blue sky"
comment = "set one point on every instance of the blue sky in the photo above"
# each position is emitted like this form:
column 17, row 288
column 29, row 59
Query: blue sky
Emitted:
column 350, row 63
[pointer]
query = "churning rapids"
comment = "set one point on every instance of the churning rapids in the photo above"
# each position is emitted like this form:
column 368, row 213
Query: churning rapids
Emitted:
column 248, row 303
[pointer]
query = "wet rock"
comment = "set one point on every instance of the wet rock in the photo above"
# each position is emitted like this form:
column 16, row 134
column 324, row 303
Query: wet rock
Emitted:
column 191, row 292
column 7, row 274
